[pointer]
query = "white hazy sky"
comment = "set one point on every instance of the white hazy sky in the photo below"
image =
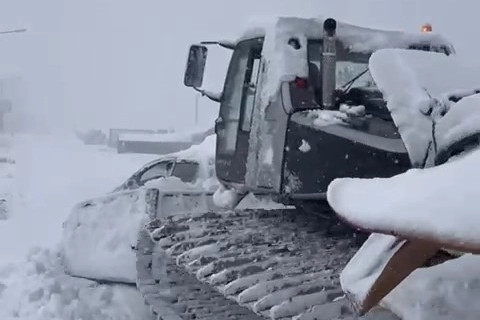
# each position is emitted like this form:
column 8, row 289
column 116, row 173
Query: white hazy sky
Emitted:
column 120, row 63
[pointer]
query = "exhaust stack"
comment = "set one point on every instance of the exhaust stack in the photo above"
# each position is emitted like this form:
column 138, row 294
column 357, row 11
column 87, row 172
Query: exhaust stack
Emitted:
column 329, row 55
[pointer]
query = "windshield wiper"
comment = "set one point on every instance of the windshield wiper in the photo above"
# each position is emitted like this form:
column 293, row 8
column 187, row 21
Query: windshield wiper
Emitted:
column 349, row 84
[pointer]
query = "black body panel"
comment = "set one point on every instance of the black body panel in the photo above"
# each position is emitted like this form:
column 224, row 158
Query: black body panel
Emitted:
column 331, row 156
column 232, row 168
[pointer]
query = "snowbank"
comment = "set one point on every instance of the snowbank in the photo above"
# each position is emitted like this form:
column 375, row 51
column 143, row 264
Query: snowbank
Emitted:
column 100, row 235
column 38, row 289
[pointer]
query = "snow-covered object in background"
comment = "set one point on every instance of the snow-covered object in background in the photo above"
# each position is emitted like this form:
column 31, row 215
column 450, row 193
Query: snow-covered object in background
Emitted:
column 414, row 82
column 204, row 154
column 38, row 289
column 100, row 234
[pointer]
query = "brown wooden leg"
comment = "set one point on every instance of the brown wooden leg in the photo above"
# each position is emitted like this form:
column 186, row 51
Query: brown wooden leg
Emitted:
column 410, row 256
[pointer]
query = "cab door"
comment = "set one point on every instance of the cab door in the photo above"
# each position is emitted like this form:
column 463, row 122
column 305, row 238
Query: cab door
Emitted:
column 234, row 122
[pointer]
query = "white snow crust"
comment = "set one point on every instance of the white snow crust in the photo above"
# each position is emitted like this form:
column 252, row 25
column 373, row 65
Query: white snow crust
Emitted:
column 98, row 240
column 444, row 292
column 440, row 202
column 38, row 289
column 414, row 81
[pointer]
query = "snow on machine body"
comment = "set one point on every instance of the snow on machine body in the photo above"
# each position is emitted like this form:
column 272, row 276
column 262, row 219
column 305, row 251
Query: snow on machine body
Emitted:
column 299, row 109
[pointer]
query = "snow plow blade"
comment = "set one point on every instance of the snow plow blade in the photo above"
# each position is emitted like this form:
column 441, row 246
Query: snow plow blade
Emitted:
column 100, row 235
column 244, row 264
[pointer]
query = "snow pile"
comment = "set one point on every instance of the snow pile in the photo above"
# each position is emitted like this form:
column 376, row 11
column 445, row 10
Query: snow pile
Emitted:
column 50, row 174
column 252, row 201
column 358, row 111
column 405, row 97
column 461, row 121
column 100, row 234
column 226, row 198
column 417, row 97
column 443, row 292
column 438, row 203
column 419, row 202
column 38, row 289
column 323, row 118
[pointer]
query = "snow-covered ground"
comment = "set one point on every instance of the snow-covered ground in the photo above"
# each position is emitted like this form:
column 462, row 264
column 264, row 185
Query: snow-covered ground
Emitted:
column 50, row 175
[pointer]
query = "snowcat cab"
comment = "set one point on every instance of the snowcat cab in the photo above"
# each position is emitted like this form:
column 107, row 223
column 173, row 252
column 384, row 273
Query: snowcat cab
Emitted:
column 299, row 107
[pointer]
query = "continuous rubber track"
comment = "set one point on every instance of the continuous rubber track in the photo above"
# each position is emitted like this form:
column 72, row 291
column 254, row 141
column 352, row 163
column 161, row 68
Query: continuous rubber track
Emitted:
column 252, row 264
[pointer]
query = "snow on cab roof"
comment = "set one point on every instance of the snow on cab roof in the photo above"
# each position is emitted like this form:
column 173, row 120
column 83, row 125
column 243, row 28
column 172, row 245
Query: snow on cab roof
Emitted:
column 355, row 38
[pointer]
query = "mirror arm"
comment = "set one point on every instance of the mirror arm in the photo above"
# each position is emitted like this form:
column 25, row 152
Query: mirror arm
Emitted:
column 222, row 43
column 214, row 96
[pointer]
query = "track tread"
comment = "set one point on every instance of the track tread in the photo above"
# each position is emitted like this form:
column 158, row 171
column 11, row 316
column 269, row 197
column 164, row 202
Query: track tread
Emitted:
column 251, row 264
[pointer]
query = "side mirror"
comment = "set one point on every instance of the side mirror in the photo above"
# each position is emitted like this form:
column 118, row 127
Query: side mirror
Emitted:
column 197, row 59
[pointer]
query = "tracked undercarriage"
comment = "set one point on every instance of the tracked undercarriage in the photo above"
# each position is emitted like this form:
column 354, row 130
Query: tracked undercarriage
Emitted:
column 246, row 264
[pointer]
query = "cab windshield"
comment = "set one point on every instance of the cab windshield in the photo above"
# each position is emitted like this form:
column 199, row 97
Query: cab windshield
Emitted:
column 350, row 66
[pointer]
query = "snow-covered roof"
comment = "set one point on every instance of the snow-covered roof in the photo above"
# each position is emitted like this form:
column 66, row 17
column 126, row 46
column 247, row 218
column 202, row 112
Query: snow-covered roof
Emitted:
column 356, row 38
